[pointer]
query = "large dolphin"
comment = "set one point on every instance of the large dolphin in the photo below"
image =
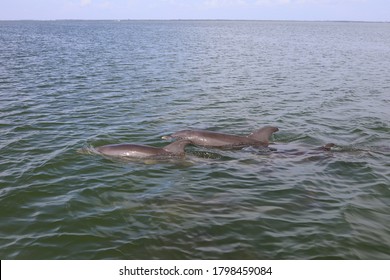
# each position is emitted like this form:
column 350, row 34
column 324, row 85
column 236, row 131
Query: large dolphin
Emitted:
column 206, row 138
column 175, row 149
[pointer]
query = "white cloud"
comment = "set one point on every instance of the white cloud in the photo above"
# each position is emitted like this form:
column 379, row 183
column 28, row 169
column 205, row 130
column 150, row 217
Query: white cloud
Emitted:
column 248, row 3
column 100, row 4
column 223, row 3
column 104, row 5
column 84, row 3
column 286, row 2
column 272, row 2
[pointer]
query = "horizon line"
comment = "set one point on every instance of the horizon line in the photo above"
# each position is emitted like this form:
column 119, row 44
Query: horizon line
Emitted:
column 205, row 19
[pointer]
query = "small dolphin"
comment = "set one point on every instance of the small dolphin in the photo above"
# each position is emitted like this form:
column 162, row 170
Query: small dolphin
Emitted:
column 175, row 149
column 206, row 138
column 327, row 147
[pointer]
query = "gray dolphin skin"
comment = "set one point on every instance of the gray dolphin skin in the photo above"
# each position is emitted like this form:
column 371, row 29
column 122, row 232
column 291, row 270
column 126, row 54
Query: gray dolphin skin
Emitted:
column 175, row 149
column 206, row 138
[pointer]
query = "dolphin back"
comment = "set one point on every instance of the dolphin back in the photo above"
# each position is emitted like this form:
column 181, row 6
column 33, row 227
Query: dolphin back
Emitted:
column 129, row 150
column 263, row 134
column 177, row 148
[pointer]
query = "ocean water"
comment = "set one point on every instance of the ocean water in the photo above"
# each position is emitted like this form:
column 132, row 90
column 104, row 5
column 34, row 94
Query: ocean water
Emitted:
column 66, row 86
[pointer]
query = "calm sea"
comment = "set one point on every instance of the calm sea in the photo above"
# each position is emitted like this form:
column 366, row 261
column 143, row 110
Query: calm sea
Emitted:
column 68, row 85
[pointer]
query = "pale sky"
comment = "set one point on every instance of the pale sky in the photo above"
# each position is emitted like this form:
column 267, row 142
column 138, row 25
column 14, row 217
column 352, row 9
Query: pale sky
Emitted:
column 349, row 10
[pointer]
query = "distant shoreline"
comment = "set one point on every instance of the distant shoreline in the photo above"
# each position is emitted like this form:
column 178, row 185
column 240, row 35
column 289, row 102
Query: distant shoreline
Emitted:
column 232, row 20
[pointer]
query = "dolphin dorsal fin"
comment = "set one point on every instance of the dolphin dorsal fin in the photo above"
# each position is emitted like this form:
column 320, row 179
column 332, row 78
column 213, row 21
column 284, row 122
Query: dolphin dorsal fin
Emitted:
column 177, row 147
column 263, row 134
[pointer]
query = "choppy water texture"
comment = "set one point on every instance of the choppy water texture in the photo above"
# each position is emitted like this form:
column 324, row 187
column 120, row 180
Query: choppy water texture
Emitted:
column 68, row 85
